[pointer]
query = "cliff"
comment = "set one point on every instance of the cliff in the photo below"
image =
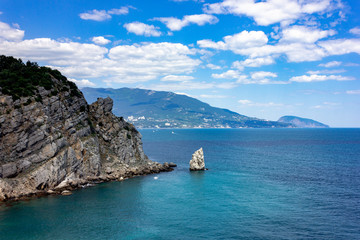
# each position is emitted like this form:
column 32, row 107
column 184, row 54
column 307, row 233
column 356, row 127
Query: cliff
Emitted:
column 52, row 140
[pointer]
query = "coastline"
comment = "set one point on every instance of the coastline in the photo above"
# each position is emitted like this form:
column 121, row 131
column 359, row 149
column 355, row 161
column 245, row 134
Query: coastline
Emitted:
column 91, row 181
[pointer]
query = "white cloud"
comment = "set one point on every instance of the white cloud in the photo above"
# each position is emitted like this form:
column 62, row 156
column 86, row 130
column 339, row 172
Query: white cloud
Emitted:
column 230, row 74
column 256, row 77
column 246, row 102
column 102, row 15
column 330, row 64
column 123, row 64
column 355, row 31
column 142, row 29
column 254, row 44
column 341, row 46
column 53, row 52
column 319, row 78
column 213, row 66
column 213, row 96
column 304, row 34
column 253, row 62
column 353, row 92
column 262, row 75
column 326, row 71
column 9, row 33
column 82, row 83
column 326, row 105
column 119, row 11
column 96, row 15
column 268, row 12
column 237, row 42
column 175, row 24
column 100, row 40
column 176, row 78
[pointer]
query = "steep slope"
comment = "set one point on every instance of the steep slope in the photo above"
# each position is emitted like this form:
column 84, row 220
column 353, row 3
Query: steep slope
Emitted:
column 302, row 122
column 51, row 139
column 150, row 109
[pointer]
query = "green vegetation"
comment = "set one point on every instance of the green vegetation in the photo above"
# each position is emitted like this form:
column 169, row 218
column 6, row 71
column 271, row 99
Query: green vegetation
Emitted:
column 22, row 80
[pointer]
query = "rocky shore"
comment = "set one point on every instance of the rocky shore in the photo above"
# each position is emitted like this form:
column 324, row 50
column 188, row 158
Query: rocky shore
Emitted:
column 52, row 140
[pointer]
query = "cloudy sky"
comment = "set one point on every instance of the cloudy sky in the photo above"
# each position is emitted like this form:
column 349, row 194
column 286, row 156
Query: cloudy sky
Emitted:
column 261, row 58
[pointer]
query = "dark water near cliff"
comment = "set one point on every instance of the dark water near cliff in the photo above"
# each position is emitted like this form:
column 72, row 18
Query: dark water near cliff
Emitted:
column 262, row 184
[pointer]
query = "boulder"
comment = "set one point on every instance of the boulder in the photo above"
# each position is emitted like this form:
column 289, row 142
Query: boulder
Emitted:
column 171, row 164
column 197, row 162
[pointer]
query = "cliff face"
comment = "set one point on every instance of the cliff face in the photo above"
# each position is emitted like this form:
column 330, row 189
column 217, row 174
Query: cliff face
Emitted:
column 54, row 140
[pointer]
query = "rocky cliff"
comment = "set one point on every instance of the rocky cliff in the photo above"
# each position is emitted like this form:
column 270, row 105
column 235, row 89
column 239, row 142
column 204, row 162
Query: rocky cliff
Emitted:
column 52, row 140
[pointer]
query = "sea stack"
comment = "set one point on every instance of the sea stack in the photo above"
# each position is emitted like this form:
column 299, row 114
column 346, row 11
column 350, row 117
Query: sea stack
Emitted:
column 197, row 162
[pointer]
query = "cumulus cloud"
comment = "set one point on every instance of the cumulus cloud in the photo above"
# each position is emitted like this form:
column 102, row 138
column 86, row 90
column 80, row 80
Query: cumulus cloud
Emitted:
column 122, row 64
column 82, row 83
column 330, row 64
column 254, row 44
column 253, row 62
column 176, row 78
column 304, row 34
column 260, row 77
column 175, row 24
column 237, row 42
column 355, row 31
column 341, row 46
column 142, row 29
column 100, row 40
column 268, row 12
column 96, row 15
column 319, row 78
column 102, row 15
column 9, row 33
column 213, row 66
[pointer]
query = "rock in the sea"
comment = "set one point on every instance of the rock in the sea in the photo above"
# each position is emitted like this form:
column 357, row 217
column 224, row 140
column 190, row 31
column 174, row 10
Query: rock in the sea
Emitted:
column 66, row 192
column 171, row 164
column 197, row 162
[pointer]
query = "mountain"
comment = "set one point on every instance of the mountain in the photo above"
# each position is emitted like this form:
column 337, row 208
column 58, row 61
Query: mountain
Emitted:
column 160, row 109
column 51, row 139
column 302, row 122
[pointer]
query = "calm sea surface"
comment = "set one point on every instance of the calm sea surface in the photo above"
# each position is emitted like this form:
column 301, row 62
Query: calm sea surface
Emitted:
column 262, row 184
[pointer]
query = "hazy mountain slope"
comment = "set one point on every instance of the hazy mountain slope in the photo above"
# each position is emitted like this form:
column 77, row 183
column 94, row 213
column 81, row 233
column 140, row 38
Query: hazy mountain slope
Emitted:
column 302, row 122
column 150, row 109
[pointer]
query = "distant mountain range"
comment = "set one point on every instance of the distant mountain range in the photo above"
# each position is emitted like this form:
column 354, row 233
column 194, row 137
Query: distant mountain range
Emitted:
column 160, row 109
column 302, row 122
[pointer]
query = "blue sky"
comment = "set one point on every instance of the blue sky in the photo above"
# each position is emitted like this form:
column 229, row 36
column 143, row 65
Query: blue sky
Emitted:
column 263, row 59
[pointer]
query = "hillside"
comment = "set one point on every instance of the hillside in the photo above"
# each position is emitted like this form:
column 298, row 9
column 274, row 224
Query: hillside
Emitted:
column 302, row 122
column 160, row 109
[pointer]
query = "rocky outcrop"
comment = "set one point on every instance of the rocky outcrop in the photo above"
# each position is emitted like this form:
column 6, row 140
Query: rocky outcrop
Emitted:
column 197, row 162
column 55, row 141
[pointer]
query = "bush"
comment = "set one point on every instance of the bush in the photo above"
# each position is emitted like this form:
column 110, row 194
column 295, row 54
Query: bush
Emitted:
column 22, row 80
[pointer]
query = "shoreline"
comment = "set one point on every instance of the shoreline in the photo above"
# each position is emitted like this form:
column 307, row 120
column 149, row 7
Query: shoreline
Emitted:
column 88, row 182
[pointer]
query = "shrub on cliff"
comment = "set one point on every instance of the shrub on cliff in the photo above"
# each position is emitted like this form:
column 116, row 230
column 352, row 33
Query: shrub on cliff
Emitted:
column 21, row 80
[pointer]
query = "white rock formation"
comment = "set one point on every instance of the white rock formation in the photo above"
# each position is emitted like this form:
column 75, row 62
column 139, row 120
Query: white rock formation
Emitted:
column 197, row 162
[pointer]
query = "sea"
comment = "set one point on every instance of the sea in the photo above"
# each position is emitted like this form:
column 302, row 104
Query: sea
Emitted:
column 261, row 184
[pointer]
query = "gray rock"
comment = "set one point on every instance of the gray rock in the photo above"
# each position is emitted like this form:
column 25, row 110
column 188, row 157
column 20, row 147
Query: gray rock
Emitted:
column 197, row 163
column 62, row 143
column 9, row 170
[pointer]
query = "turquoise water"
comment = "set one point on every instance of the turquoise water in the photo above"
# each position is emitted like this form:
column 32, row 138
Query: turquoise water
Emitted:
column 262, row 184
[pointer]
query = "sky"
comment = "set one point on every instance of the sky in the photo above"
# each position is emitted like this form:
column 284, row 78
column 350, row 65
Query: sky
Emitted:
column 260, row 58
